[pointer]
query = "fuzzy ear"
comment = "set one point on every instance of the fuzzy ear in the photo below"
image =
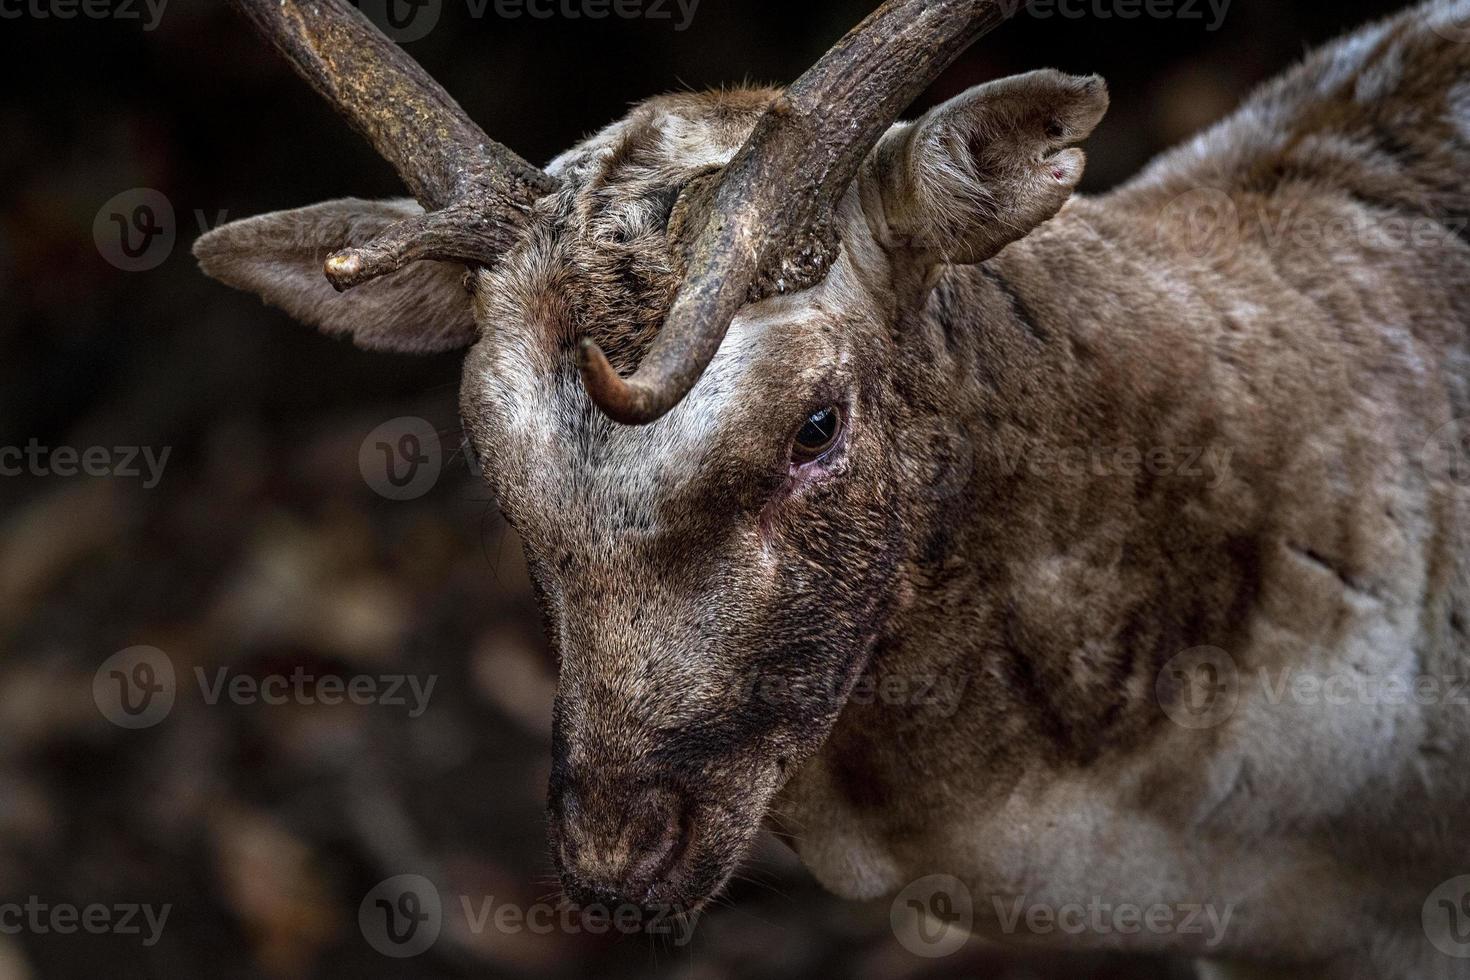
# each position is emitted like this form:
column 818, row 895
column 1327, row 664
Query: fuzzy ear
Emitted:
column 985, row 168
column 421, row 309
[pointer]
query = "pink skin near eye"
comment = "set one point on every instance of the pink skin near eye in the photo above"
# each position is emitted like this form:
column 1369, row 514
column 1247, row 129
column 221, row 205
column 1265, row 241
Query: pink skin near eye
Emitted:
column 804, row 474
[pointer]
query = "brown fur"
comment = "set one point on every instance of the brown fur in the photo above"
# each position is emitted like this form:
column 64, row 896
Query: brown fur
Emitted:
column 716, row 610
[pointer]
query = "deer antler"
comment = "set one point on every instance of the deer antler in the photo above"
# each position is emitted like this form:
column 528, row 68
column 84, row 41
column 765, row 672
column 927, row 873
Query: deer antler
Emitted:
column 475, row 191
column 770, row 209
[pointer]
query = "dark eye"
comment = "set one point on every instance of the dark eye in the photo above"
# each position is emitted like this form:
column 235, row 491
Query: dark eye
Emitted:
column 816, row 436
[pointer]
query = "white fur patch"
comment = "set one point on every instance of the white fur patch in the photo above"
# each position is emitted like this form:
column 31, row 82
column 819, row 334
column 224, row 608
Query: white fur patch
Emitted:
column 692, row 143
column 1349, row 58
column 1379, row 79
column 599, row 146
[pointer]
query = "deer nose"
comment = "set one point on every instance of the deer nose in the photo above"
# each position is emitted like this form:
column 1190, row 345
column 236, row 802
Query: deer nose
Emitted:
column 617, row 848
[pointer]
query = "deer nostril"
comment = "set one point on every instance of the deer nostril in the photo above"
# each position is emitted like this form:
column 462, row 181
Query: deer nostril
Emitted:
column 619, row 848
column 665, row 838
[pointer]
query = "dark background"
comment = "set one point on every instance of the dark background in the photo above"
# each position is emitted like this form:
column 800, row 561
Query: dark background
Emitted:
column 263, row 547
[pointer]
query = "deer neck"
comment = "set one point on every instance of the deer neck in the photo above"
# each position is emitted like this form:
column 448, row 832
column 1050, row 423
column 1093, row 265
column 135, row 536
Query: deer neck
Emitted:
column 1166, row 456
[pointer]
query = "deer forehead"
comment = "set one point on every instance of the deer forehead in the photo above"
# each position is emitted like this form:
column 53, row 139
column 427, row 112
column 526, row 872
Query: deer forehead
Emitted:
column 569, row 280
column 776, row 353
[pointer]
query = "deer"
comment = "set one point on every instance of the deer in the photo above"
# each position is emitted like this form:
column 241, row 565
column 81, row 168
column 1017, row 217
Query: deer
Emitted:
column 801, row 410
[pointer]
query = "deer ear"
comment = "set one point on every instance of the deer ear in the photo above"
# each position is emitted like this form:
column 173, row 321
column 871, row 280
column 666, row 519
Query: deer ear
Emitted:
column 421, row 309
column 985, row 168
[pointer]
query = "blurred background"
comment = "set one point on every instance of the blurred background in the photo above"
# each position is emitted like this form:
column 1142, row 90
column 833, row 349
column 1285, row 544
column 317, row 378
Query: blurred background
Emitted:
column 202, row 478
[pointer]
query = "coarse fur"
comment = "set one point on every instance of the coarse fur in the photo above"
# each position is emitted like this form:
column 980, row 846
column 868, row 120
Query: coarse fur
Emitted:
column 1201, row 417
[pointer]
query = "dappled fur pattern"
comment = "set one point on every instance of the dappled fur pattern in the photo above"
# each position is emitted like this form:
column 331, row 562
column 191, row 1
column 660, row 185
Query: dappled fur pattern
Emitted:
column 986, row 544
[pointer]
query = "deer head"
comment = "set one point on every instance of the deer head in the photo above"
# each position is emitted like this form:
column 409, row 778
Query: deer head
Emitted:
column 718, row 539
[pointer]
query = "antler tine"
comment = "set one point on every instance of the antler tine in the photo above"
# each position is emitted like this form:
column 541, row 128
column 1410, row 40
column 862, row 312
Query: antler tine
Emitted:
column 773, row 198
column 475, row 189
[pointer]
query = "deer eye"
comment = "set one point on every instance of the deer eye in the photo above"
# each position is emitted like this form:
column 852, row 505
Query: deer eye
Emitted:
column 816, row 436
